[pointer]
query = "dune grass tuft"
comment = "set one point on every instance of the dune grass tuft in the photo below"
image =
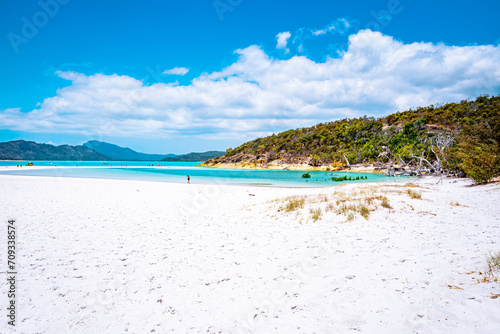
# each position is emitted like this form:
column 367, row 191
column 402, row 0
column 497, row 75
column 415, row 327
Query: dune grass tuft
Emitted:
column 349, row 203
column 493, row 262
column 363, row 210
column 385, row 203
column 315, row 213
column 344, row 209
column 414, row 194
column 295, row 203
column 492, row 267
column 330, row 207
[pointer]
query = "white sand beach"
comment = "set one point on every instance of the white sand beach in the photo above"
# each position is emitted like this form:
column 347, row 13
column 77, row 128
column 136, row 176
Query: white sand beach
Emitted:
column 113, row 256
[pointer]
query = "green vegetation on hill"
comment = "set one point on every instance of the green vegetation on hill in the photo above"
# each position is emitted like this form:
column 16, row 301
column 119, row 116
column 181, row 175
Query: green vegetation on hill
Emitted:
column 28, row 150
column 400, row 136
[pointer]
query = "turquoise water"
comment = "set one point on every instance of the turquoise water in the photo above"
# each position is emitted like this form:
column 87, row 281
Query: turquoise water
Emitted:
column 177, row 172
column 97, row 163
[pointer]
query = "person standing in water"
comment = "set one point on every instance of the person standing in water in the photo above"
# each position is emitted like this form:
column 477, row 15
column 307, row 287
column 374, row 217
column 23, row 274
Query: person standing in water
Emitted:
column 189, row 179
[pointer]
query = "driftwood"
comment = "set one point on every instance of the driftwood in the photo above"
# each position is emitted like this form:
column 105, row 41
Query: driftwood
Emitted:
column 418, row 164
column 409, row 168
column 347, row 161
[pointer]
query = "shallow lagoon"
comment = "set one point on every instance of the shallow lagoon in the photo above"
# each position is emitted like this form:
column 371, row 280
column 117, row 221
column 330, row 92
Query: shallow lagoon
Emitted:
column 177, row 172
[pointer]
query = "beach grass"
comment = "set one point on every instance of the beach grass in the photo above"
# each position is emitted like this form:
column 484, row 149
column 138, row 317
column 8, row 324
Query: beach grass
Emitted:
column 348, row 202
column 492, row 268
column 493, row 262
column 316, row 214
column 414, row 194
column 385, row 203
column 294, row 203
column 364, row 211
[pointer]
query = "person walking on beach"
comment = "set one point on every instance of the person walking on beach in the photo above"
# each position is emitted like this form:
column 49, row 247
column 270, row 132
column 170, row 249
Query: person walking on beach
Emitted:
column 189, row 179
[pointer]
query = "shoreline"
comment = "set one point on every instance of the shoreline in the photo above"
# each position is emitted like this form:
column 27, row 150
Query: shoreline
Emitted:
column 298, row 167
column 242, row 166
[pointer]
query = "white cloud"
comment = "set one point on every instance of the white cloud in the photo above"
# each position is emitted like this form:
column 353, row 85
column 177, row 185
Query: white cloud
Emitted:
column 282, row 40
column 340, row 26
column 257, row 94
column 177, row 71
column 318, row 32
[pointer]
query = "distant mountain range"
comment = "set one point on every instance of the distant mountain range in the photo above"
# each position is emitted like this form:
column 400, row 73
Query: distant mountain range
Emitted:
column 123, row 153
column 90, row 151
column 28, row 150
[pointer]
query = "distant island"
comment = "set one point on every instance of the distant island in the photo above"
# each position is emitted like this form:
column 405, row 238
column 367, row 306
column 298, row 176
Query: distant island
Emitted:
column 194, row 156
column 28, row 150
column 90, row 151
column 116, row 152
column 451, row 138
column 124, row 153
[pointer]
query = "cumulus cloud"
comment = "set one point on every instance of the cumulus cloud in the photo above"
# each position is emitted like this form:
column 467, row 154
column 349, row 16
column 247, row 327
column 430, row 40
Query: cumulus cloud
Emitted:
column 177, row 71
column 282, row 40
column 258, row 95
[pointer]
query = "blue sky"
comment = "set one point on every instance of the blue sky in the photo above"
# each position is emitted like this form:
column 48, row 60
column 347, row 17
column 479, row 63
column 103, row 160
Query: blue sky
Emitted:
column 181, row 76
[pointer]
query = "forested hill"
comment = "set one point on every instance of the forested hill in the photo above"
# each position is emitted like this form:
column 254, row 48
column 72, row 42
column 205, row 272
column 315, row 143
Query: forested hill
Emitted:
column 28, row 150
column 368, row 140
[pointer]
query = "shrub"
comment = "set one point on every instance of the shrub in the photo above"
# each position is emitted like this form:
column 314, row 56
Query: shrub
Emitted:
column 306, row 176
column 342, row 178
column 480, row 160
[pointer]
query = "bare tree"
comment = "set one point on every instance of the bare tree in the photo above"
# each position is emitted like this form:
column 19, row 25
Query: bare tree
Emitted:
column 421, row 160
column 438, row 145
column 402, row 161
column 473, row 106
column 347, row 161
